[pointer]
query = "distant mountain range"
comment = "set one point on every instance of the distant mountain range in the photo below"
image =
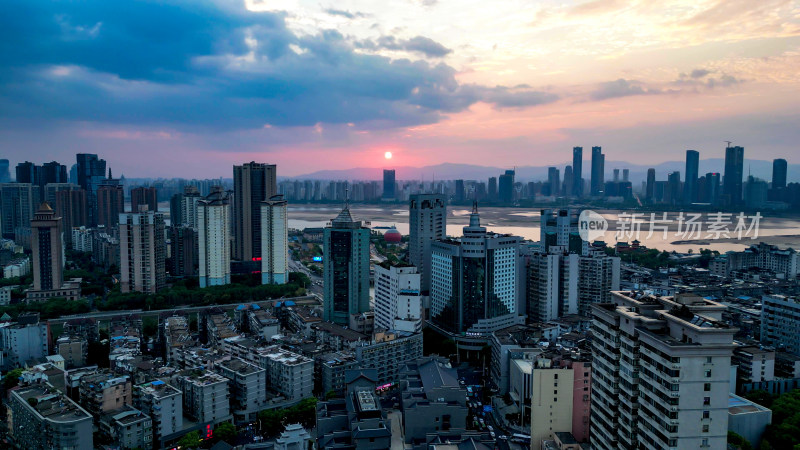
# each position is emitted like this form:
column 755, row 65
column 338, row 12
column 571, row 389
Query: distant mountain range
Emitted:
column 638, row 173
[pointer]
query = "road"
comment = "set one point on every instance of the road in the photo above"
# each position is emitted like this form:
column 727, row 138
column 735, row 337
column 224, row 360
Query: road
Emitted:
column 307, row 299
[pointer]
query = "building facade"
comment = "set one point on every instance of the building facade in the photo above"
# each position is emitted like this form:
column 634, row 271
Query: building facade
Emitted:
column 48, row 250
column 398, row 304
column 253, row 183
column 214, row 243
column 274, row 241
column 142, row 252
column 427, row 216
column 346, row 268
column 42, row 418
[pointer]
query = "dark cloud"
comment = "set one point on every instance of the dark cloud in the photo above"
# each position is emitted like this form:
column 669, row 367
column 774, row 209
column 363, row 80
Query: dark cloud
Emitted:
column 699, row 73
column 199, row 66
column 621, row 88
column 723, row 81
column 347, row 14
column 419, row 44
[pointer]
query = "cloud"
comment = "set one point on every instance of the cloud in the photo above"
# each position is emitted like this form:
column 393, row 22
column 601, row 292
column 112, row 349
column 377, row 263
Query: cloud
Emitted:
column 418, row 44
column 347, row 14
column 201, row 67
column 621, row 88
column 699, row 73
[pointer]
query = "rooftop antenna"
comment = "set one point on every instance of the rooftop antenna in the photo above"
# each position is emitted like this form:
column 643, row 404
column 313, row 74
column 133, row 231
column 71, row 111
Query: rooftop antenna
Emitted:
column 347, row 196
column 729, row 143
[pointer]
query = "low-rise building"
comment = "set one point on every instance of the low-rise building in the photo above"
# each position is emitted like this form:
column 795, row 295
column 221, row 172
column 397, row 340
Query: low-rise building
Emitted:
column 432, row 399
column 102, row 393
column 754, row 364
column 248, row 384
column 74, row 350
column 288, row 373
column 127, row 428
column 164, row 404
column 388, row 352
column 22, row 340
column 205, row 396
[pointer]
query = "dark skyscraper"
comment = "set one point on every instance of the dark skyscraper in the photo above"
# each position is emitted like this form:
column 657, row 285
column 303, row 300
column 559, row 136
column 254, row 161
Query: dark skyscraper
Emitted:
column 5, row 175
column 388, row 184
column 734, row 172
column 110, row 204
column 779, row 169
column 692, row 172
column 144, row 196
column 651, row 184
column 492, row 188
column 346, row 268
column 568, row 182
column 27, row 172
column 553, row 180
column 459, row 191
column 506, row 187
column 577, row 171
column 253, row 183
column 711, row 186
column 90, row 172
column 674, row 187
column 598, row 171
column 53, row 172
column 47, row 249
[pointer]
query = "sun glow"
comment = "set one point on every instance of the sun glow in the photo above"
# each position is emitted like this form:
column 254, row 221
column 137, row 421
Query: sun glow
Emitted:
column 387, row 155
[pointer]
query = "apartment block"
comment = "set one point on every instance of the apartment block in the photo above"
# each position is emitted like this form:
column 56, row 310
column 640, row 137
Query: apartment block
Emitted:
column 248, row 384
column 42, row 418
column 205, row 396
column 780, row 322
column 164, row 404
column 660, row 372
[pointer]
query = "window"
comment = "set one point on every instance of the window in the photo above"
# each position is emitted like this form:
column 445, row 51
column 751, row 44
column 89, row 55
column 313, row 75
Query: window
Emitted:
column 708, row 374
column 706, row 401
column 705, row 443
column 705, row 428
column 706, row 414
column 707, row 387
column 555, row 392
column 555, row 376
column 708, row 360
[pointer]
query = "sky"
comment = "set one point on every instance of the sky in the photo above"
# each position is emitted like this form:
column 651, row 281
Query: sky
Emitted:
column 189, row 88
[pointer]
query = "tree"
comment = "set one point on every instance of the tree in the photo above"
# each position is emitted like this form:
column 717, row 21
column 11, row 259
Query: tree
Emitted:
column 11, row 378
column 738, row 442
column 761, row 397
column 225, row 431
column 190, row 440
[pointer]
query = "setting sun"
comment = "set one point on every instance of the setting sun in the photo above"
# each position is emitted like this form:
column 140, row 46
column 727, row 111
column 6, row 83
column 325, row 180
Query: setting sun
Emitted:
column 387, row 155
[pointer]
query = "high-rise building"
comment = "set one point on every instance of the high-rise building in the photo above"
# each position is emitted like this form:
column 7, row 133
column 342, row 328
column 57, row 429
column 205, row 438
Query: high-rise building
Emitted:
column 142, row 252
column 492, row 189
column 554, row 180
column 780, row 322
column 71, row 205
column 674, row 188
column 577, row 171
column 598, row 171
column 346, row 268
column 474, row 281
column 427, row 217
column 568, row 183
column 48, row 249
column 598, row 275
column 143, row 195
column 274, row 241
column 552, row 400
column 53, row 172
column 398, row 304
column 692, row 172
column 214, row 249
column 651, row 184
column 711, row 188
column 27, row 172
column 551, row 285
column 110, row 203
column 176, row 210
column 388, row 184
column 252, row 184
column 626, row 174
column 734, row 174
column 189, row 201
column 660, row 372
column 17, row 200
column 506, row 187
column 5, row 174
column 559, row 227
column 616, row 175
column 779, row 168
column 458, row 194
column 184, row 245
column 90, row 172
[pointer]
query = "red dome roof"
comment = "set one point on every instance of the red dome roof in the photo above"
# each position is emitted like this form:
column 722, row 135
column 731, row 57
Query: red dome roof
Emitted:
column 392, row 236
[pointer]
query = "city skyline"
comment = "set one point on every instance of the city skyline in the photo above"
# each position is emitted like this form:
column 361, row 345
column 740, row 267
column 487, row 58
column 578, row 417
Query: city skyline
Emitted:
column 431, row 82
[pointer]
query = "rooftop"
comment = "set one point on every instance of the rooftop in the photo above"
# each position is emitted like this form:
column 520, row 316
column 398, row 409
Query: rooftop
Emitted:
column 50, row 404
column 240, row 367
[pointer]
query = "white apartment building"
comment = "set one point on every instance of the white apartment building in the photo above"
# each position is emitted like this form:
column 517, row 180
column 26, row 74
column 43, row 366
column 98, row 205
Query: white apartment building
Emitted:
column 248, row 388
column 660, row 371
column 214, row 239
column 288, row 373
column 780, row 322
column 205, row 396
column 82, row 239
column 163, row 403
column 398, row 304
column 274, row 241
